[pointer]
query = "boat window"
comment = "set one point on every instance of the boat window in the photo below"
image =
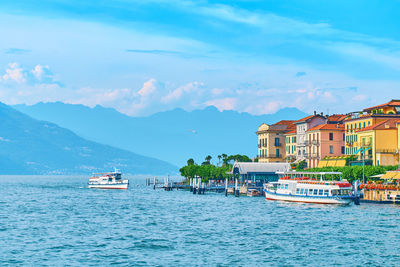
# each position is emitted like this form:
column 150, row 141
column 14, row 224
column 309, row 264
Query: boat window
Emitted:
column 301, row 191
column 286, row 186
column 297, row 190
column 326, row 192
column 309, row 191
column 320, row 192
column 315, row 191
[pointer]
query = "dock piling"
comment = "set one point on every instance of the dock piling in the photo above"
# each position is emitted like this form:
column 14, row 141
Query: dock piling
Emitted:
column 226, row 186
column 236, row 188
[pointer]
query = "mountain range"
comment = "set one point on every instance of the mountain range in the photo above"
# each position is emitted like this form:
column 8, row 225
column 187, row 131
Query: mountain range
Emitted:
column 30, row 146
column 173, row 136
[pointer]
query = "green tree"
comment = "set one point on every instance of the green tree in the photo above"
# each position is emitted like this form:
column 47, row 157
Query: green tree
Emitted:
column 190, row 162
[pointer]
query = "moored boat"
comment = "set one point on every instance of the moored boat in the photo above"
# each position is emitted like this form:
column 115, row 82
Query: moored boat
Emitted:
column 301, row 187
column 108, row 180
column 253, row 193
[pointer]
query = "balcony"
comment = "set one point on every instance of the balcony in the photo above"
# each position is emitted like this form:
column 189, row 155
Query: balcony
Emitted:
column 315, row 142
column 306, row 143
column 277, row 144
column 349, row 143
column 270, row 156
column 387, row 151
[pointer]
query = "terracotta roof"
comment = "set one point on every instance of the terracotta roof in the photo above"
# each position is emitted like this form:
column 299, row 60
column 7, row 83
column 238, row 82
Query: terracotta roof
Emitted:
column 290, row 125
column 307, row 118
column 383, row 125
column 330, row 127
column 392, row 103
column 337, row 118
column 292, row 132
column 280, row 126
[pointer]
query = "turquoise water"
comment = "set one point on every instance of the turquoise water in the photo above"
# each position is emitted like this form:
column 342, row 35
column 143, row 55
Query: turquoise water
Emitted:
column 58, row 221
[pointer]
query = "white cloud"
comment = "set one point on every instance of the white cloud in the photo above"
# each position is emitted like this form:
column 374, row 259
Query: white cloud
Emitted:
column 40, row 74
column 228, row 103
column 14, row 73
column 179, row 92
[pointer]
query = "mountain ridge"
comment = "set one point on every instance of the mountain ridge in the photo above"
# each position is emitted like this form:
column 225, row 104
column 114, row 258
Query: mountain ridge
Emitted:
column 31, row 146
column 175, row 135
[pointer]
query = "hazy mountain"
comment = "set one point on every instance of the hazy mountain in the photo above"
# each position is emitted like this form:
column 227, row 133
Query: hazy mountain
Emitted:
column 29, row 146
column 173, row 136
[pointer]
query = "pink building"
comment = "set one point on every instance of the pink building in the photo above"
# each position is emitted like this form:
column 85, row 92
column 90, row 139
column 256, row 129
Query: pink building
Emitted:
column 324, row 140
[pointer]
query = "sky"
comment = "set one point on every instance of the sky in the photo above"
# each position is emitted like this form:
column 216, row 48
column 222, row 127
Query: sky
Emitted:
column 143, row 57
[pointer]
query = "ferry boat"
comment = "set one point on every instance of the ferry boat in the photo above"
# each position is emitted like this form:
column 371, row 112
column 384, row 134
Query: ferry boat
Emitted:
column 108, row 180
column 303, row 187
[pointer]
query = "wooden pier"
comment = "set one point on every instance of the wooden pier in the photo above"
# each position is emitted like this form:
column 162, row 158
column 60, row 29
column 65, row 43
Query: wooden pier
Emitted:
column 196, row 186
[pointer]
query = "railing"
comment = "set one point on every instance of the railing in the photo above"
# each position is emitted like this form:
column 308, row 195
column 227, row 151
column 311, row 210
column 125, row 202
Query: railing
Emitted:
column 306, row 143
column 277, row 144
column 315, row 142
column 315, row 156
column 349, row 143
column 387, row 151
column 269, row 156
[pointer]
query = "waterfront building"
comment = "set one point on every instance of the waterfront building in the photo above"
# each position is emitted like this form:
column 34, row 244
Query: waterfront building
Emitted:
column 380, row 142
column 291, row 144
column 272, row 142
column 324, row 140
column 368, row 118
column 258, row 172
column 302, row 126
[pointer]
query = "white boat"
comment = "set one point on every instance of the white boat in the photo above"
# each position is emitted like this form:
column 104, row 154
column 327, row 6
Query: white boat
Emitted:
column 108, row 180
column 302, row 187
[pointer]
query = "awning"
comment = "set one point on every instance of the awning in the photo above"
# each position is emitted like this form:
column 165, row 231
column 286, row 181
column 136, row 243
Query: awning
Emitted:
column 391, row 175
column 397, row 176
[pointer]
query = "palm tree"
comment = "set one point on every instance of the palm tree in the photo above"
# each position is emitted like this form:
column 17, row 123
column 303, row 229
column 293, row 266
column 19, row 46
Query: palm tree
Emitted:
column 208, row 159
column 219, row 159
column 190, row 162
column 224, row 156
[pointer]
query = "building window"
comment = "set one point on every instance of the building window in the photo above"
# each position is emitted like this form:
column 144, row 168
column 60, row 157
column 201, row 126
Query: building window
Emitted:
column 342, row 149
column 330, row 136
column 330, row 149
column 369, row 123
column 344, row 136
column 277, row 141
column 364, row 124
column 277, row 153
column 359, row 125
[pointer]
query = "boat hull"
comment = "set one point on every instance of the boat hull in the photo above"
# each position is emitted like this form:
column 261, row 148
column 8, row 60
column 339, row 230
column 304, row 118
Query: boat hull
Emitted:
column 109, row 186
column 308, row 199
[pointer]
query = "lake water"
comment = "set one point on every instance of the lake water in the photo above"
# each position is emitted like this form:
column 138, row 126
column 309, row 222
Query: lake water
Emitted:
column 58, row 221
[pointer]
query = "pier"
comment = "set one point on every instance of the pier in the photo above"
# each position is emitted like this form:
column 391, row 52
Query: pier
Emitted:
column 196, row 186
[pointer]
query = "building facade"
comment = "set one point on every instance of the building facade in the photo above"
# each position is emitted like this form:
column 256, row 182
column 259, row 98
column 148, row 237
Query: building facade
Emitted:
column 324, row 140
column 379, row 143
column 302, row 126
column 272, row 142
column 360, row 132
column 291, row 145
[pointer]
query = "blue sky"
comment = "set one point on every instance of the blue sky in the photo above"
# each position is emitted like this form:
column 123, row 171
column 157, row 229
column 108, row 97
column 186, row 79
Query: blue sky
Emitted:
column 142, row 57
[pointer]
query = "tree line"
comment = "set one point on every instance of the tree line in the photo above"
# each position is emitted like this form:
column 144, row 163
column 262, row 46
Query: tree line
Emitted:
column 207, row 170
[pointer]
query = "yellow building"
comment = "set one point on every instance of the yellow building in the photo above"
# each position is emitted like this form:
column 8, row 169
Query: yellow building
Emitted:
column 356, row 135
column 291, row 145
column 272, row 141
column 381, row 142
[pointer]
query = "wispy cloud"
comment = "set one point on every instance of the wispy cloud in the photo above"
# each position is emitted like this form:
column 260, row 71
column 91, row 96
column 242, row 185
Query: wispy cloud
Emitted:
column 17, row 51
column 154, row 51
